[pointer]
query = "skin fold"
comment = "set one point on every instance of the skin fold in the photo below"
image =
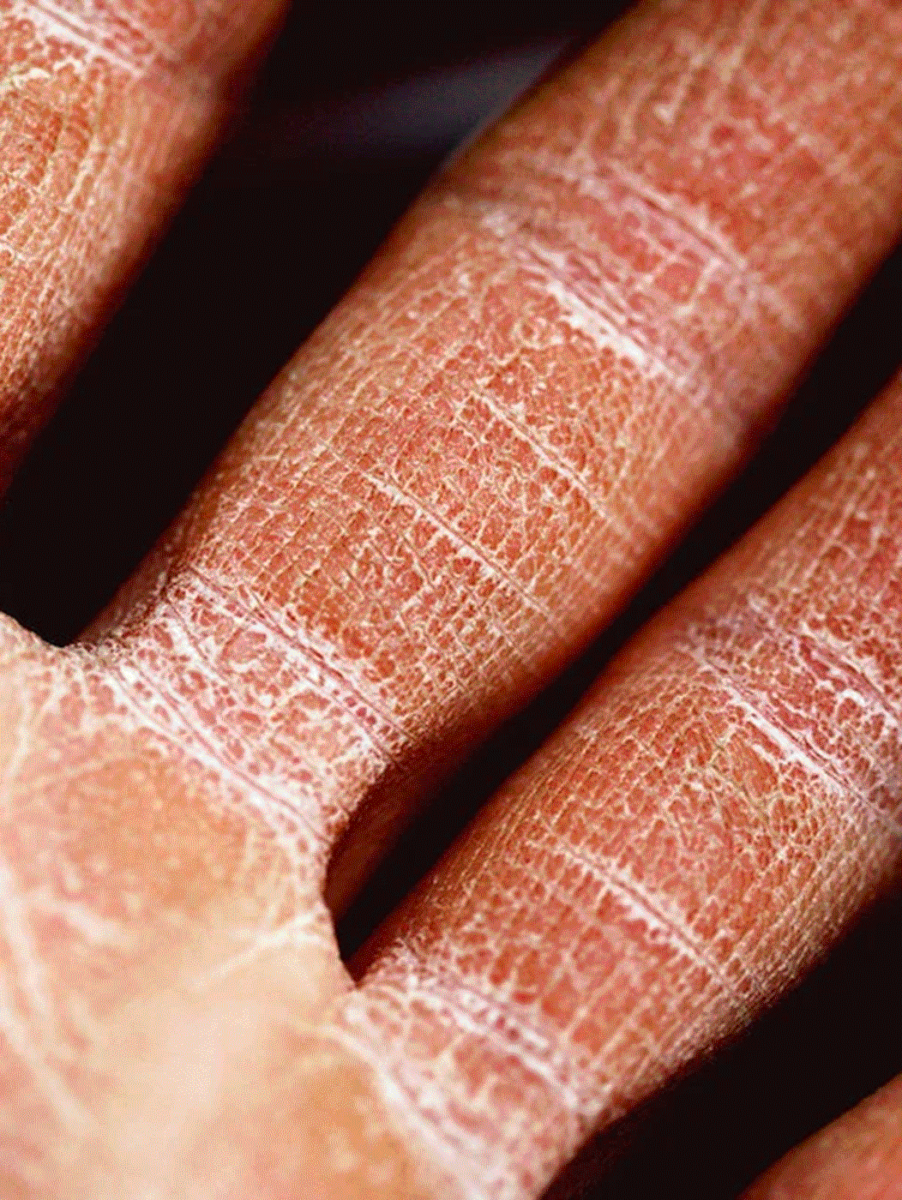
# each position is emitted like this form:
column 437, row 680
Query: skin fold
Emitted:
column 566, row 346
column 576, row 335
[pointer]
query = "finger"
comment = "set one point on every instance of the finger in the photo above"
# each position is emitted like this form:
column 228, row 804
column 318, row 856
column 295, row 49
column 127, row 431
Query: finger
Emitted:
column 106, row 108
column 859, row 1157
column 696, row 836
column 570, row 341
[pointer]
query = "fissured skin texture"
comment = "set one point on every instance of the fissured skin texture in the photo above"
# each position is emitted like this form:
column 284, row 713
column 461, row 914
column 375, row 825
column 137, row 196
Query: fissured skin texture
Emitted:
column 107, row 108
column 721, row 806
column 572, row 339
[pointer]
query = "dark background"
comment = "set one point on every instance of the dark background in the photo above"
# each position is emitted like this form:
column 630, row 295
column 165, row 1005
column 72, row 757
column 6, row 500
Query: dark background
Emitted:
column 358, row 105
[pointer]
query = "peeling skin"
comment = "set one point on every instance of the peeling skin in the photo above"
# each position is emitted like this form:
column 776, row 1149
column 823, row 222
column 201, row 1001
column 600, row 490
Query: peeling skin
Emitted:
column 859, row 1157
column 695, row 837
column 106, row 110
column 572, row 339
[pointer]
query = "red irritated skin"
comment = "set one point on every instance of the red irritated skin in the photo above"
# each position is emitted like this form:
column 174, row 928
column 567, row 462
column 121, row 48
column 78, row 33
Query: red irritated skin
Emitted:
column 857, row 1158
column 573, row 338
column 106, row 109
column 565, row 347
column 699, row 832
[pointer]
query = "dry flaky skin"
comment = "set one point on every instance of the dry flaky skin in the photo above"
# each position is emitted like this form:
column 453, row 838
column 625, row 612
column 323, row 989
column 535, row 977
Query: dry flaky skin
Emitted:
column 566, row 346
column 696, row 835
column 857, row 1158
column 106, row 107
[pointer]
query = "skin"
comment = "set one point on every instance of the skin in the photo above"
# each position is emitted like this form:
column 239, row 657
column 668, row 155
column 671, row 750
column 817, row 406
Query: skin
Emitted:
column 575, row 336
column 697, row 834
column 106, row 111
column 859, row 1157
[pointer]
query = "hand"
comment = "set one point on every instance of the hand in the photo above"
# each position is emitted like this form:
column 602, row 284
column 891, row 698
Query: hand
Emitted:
column 570, row 342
